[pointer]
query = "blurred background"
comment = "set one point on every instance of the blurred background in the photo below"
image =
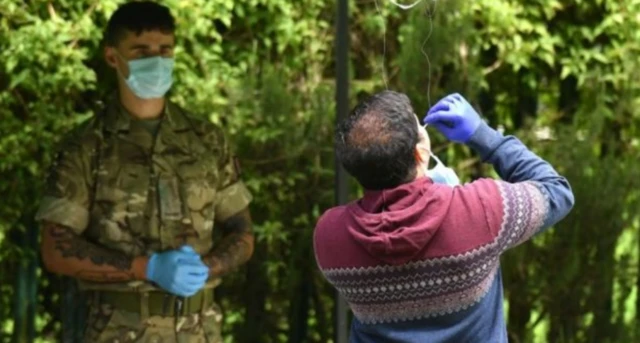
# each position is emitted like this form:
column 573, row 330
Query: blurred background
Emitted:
column 563, row 76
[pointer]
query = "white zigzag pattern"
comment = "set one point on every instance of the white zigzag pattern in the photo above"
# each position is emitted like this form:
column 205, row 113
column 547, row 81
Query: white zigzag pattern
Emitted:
column 410, row 290
column 420, row 311
column 457, row 273
column 384, row 269
column 416, row 294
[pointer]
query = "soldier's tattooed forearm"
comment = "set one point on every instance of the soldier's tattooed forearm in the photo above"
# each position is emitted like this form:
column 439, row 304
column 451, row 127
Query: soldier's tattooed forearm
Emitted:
column 71, row 245
column 234, row 250
column 236, row 246
column 67, row 253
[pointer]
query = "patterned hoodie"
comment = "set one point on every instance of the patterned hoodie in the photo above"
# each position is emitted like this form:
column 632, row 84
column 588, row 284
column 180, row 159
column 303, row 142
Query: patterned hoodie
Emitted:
column 421, row 262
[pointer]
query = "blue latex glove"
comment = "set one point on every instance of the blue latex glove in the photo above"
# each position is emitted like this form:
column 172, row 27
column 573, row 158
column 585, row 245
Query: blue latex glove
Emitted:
column 454, row 117
column 180, row 272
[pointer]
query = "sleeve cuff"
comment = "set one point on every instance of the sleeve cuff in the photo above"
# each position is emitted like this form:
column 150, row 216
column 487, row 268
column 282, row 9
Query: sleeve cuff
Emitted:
column 232, row 200
column 485, row 140
column 63, row 212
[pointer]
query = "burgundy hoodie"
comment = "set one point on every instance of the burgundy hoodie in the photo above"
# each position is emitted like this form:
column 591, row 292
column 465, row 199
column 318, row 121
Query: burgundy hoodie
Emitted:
column 396, row 225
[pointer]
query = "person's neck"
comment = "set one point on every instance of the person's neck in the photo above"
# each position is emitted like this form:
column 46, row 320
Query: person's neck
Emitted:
column 141, row 108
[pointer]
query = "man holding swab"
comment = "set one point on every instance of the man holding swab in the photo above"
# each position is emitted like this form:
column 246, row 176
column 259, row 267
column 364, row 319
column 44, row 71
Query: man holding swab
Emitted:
column 417, row 258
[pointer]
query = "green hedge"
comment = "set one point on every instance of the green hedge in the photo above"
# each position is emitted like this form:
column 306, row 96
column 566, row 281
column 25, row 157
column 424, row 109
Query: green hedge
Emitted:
column 265, row 70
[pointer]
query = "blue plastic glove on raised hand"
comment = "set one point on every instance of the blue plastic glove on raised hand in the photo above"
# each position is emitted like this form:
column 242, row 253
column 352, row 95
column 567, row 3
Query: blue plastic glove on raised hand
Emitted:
column 454, row 117
column 180, row 272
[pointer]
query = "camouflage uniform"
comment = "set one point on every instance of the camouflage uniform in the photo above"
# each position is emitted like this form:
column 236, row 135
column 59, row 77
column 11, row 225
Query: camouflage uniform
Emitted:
column 139, row 188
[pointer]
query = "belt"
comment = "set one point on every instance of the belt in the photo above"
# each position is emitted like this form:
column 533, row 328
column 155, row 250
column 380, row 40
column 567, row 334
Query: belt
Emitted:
column 157, row 303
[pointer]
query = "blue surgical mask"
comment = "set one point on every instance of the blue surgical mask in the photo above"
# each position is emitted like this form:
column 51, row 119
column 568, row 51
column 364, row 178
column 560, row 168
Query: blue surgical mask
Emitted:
column 442, row 174
column 150, row 77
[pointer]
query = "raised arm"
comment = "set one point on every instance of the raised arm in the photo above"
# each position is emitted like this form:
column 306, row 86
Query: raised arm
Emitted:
column 514, row 162
column 533, row 196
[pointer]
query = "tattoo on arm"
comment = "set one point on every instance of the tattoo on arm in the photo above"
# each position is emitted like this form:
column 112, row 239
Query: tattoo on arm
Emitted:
column 235, row 248
column 71, row 245
column 67, row 253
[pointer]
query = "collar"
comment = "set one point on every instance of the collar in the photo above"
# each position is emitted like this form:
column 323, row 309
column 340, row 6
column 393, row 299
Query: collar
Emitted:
column 117, row 118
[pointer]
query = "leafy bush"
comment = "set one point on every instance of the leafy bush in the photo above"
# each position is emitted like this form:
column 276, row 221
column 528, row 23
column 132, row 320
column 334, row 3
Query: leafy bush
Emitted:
column 562, row 75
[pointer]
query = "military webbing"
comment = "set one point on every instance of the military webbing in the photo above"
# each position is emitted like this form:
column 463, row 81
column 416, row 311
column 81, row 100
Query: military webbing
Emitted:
column 159, row 303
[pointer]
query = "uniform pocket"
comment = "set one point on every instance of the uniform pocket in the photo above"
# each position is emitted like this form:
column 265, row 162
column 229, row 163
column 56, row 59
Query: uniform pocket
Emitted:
column 199, row 196
column 169, row 199
column 120, row 205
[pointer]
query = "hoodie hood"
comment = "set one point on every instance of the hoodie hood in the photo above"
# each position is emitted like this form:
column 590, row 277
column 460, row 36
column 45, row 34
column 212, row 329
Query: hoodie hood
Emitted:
column 395, row 225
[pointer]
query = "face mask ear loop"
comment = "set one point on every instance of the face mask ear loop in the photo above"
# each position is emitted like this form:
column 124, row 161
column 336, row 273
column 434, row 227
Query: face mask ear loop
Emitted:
column 118, row 55
column 435, row 158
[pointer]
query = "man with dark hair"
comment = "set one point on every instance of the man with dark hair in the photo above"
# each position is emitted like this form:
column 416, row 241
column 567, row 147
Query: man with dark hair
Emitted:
column 377, row 143
column 131, row 200
column 417, row 257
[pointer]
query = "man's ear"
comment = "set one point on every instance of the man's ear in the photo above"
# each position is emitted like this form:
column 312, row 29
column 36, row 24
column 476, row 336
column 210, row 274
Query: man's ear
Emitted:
column 110, row 57
column 422, row 154
column 424, row 143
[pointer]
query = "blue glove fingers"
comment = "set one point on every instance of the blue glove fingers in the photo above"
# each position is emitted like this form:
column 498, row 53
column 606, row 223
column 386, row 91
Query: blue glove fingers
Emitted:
column 443, row 104
column 186, row 284
column 440, row 106
column 188, row 249
column 457, row 104
column 195, row 266
column 200, row 270
column 187, row 252
column 188, row 255
column 433, row 118
column 194, row 260
column 449, row 118
column 445, row 130
column 180, row 272
column 457, row 97
column 193, row 273
column 196, row 280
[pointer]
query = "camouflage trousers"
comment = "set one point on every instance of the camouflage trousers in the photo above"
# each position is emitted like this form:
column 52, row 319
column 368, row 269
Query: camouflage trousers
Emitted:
column 107, row 324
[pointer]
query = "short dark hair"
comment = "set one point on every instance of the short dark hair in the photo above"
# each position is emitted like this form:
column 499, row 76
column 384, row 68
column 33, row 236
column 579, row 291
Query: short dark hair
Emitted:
column 137, row 17
column 376, row 144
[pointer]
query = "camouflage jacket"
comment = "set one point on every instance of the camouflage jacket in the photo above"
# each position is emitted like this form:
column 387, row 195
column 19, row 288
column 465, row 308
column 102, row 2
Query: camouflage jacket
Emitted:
column 123, row 187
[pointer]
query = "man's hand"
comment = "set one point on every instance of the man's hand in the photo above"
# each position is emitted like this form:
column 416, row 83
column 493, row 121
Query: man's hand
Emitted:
column 454, row 117
column 236, row 246
column 180, row 272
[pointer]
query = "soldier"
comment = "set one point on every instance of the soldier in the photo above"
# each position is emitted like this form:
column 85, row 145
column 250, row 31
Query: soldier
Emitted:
column 133, row 195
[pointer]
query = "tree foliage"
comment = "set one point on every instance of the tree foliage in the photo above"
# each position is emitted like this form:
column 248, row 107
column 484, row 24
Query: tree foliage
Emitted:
column 561, row 75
